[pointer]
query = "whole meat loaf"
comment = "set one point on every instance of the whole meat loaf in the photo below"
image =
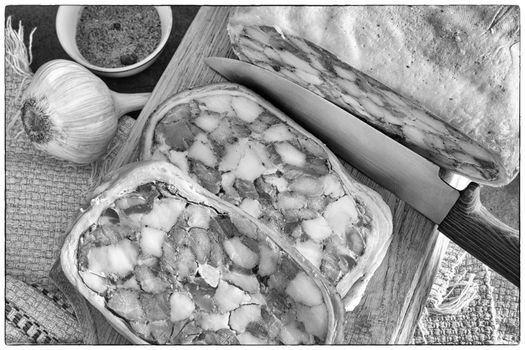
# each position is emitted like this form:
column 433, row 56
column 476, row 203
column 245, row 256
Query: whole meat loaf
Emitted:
column 166, row 262
column 242, row 149
column 443, row 80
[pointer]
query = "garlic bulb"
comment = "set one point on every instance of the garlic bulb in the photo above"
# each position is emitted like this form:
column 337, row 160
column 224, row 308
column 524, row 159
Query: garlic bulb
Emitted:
column 70, row 113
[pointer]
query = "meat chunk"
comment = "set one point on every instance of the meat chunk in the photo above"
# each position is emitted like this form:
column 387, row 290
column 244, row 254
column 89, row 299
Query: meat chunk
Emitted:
column 125, row 302
column 246, row 189
column 209, row 178
column 177, row 135
column 156, row 306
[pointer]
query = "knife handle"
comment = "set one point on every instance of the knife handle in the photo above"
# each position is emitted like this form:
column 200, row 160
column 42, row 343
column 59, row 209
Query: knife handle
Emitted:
column 472, row 227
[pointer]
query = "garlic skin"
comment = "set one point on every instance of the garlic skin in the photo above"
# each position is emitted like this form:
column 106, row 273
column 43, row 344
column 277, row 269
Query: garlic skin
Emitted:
column 70, row 113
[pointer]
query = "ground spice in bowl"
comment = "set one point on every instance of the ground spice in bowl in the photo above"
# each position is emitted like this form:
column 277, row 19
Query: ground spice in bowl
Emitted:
column 117, row 36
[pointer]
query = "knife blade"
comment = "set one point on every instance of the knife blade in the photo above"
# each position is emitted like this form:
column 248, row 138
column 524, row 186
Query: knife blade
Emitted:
column 411, row 177
column 403, row 172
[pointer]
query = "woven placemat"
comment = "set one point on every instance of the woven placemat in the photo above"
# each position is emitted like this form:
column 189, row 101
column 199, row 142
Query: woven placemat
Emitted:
column 36, row 315
column 42, row 197
column 469, row 305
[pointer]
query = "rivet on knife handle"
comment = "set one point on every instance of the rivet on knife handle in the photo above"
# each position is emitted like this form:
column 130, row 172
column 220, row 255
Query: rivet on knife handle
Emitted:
column 471, row 226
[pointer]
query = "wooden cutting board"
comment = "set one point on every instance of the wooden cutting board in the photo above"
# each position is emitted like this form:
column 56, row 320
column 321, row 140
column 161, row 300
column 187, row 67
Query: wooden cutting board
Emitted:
column 390, row 309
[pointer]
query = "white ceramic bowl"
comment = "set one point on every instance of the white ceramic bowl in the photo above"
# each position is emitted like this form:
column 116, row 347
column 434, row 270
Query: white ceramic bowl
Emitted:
column 66, row 27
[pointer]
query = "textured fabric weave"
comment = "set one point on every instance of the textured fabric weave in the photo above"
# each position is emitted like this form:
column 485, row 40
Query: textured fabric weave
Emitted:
column 491, row 317
column 35, row 315
column 42, row 197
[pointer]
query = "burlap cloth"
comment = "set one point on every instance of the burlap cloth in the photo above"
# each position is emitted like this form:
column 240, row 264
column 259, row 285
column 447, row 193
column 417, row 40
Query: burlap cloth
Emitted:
column 469, row 304
column 43, row 195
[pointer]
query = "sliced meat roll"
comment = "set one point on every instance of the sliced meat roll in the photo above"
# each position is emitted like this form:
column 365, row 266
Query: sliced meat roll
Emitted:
column 166, row 262
column 241, row 148
column 443, row 80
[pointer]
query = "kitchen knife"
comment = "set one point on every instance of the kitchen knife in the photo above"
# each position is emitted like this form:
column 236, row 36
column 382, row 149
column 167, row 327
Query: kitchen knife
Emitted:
column 449, row 200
